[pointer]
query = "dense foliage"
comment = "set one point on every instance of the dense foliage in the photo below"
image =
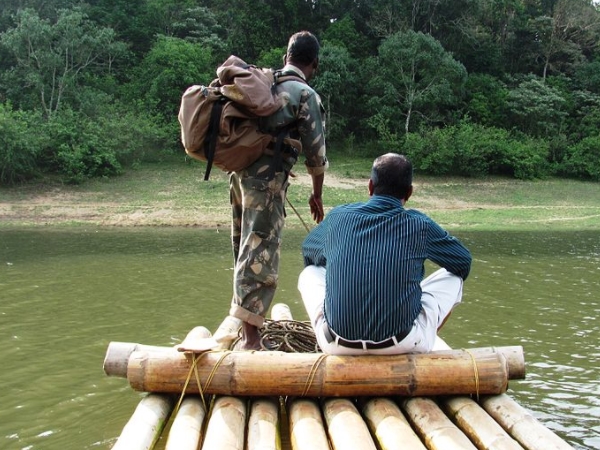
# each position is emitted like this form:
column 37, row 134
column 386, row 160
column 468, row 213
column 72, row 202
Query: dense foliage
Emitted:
column 465, row 87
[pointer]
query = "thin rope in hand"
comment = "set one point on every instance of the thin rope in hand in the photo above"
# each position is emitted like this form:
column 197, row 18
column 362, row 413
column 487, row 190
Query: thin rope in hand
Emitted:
column 298, row 214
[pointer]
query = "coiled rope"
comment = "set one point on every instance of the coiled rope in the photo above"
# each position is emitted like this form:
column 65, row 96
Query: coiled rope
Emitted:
column 290, row 336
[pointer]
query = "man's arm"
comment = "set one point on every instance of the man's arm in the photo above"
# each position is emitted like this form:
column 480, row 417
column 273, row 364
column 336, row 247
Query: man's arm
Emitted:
column 311, row 128
column 315, row 201
column 448, row 252
column 313, row 247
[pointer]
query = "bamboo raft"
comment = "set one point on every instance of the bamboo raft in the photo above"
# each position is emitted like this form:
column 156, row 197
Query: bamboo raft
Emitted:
column 271, row 400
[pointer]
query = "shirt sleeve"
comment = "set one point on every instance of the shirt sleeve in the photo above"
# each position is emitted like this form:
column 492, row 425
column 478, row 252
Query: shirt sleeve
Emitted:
column 313, row 248
column 447, row 251
column 311, row 127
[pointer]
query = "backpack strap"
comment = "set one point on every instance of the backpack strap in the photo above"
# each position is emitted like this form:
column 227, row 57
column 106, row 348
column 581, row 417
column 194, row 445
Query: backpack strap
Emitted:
column 277, row 165
column 210, row 143
column 279, row 77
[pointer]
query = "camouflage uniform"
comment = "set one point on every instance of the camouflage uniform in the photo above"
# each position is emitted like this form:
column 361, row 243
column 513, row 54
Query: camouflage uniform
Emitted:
column 258, row 200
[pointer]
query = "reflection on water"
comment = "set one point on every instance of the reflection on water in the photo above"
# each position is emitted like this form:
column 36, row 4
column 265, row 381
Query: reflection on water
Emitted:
column 540, row 291
column 65, row 294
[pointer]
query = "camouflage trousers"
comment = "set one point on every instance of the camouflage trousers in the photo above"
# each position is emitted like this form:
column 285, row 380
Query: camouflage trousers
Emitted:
column 257, row 196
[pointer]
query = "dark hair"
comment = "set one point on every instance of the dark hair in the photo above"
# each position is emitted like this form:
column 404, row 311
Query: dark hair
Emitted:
column 303, row 48
column 392, row 175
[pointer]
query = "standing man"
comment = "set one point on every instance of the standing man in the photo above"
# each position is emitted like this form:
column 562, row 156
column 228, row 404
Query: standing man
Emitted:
column 363, row 285
column 258, row 192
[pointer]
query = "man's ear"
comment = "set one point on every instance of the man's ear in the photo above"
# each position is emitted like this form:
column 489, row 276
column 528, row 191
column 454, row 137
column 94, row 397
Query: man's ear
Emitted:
column 408, row 193
column 371, row 188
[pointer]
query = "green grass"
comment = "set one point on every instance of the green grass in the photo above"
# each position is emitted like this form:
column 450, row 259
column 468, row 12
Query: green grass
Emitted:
column 173, row 192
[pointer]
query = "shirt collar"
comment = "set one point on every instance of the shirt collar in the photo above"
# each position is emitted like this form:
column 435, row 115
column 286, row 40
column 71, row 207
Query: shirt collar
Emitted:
column 386, row 200
column 296, row 70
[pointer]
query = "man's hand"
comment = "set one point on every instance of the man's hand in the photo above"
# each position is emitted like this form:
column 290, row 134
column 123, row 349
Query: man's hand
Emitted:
column 316, row 208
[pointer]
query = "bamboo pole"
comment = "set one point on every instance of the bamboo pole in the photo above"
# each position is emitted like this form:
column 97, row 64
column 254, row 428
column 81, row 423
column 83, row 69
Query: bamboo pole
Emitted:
column 118, row 353
column 521, row 425
column 146, row 424
column 309, row 374
column 227, row 332
column 226, row 426
column 389, row 426
column 263, row 425
column 281, row 311
column 144, row 427
column 346, row 427
column 434, row 428
column 186, row 429
column 481, row 429
column 307, row 431
column 513, row 354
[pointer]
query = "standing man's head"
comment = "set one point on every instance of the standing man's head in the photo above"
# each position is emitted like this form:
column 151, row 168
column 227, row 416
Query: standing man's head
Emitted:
column 391, row 174
column 303, row 52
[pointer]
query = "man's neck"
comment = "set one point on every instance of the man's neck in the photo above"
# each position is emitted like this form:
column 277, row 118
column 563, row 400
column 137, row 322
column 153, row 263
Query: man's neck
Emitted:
column 297, row 70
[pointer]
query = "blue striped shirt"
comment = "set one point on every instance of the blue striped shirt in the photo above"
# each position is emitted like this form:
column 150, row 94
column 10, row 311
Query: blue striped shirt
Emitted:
column 375, row 254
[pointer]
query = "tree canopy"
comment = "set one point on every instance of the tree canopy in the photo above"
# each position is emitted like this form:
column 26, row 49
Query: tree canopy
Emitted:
column 434, row 79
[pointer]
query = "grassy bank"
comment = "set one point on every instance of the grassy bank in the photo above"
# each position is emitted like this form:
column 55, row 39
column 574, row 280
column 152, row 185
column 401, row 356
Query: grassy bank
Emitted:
column 173, row 193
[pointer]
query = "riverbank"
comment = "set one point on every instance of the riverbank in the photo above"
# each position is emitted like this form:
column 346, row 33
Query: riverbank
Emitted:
column 173, row 193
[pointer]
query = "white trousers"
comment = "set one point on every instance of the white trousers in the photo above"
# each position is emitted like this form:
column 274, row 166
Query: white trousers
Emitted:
column 442, row 291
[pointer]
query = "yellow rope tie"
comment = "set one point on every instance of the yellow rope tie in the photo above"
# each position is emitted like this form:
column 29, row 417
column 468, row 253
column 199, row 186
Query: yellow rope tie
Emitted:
column 185, row 385
column 476, row 372
column 195, row 367
column 194, row 370
column 313, row 372
column 213, row 371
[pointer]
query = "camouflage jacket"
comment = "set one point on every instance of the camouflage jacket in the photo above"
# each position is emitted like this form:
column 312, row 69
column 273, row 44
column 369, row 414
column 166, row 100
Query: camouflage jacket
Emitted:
column 302, row 105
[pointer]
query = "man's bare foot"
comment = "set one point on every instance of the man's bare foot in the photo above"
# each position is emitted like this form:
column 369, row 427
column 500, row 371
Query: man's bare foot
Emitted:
column 250, row 339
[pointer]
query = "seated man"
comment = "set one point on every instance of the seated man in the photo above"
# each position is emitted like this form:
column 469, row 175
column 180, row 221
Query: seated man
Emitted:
column 363, row 285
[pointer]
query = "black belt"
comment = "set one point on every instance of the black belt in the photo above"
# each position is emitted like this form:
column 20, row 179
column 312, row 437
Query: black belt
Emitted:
column 331, row 336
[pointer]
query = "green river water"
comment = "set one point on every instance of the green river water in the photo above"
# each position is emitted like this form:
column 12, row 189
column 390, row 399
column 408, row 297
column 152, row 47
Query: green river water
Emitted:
column 66, row 293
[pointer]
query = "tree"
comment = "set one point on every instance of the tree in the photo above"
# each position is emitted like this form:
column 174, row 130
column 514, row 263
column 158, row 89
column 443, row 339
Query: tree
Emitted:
column 171, row 66
column 561, row 39
column 475, row 31
column 336, row 83
column 413, row 74
column 536, row 108
column 344, row 33
column 486, row 100
column 51, row 58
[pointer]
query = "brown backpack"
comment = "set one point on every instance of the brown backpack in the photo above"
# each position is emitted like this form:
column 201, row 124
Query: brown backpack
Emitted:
column 220, row 122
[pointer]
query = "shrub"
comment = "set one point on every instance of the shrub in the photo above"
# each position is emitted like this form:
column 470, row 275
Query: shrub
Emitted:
column 77, row 148
column 583, row 159
column 80, row 147
column 473, row 150
column 526, row 159
column 19, row 145
column 431, row 152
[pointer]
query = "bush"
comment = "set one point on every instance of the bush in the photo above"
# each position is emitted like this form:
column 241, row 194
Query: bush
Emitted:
column 431, row 152
column 19, row 145
column 80, row 147
column 472, row 150
column 77, row 148
column 526, row 159
column 583, row 159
